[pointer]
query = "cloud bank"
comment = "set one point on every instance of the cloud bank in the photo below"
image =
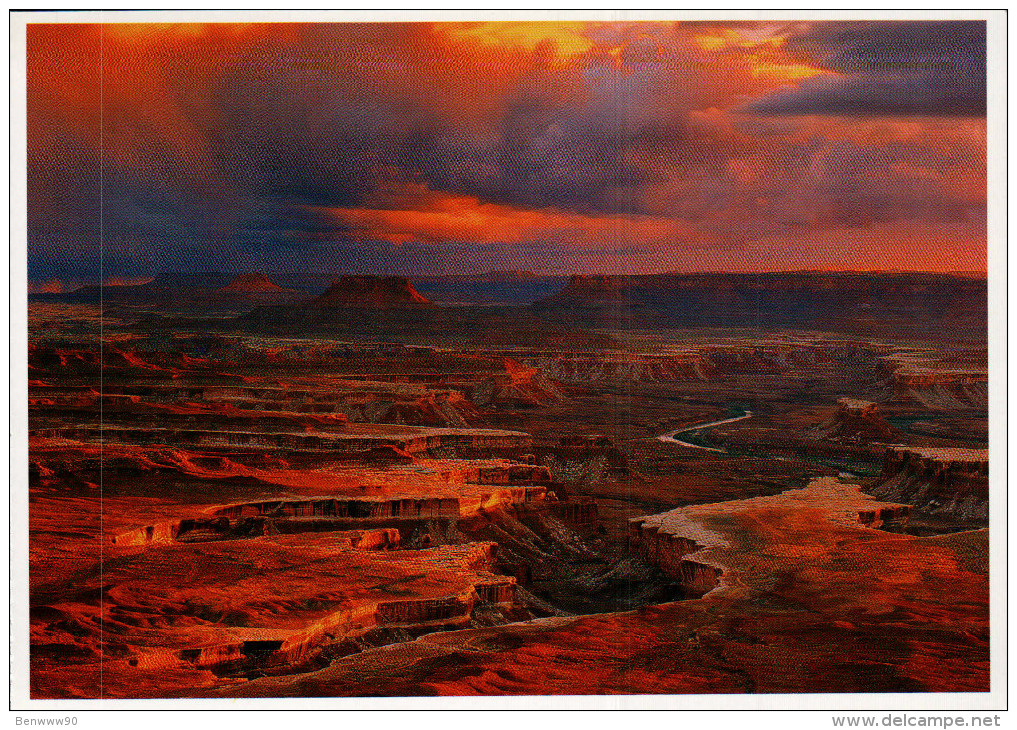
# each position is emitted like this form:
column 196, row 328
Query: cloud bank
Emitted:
column 578, row 146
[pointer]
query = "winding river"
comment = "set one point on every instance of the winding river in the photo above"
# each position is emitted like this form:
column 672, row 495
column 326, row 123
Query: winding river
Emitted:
column 670, row 436
column 845, row 468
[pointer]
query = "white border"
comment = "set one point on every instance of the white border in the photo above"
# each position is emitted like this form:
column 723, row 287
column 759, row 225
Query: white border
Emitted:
column 825, row 703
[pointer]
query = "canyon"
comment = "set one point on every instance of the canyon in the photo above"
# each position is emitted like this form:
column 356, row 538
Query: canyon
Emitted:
column 620, row 487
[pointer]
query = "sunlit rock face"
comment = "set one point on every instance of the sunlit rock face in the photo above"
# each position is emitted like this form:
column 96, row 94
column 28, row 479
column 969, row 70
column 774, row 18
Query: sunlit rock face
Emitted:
column 804, row 573
column 937, row 480
column 542, row 358
column 221, row 511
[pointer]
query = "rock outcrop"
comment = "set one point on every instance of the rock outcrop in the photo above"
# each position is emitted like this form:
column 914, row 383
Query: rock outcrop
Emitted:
column 575, row 368
column 592, row 288
column 251, row 283
column 937, row 480
column 371, row 291
column 845, row 301
column 856, row 419
column 189, row 291
column 943, row 389
column 692, row 543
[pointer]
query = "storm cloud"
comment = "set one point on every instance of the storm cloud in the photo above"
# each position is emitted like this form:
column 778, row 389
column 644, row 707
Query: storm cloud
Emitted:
column 630, row 146
column 935, row 68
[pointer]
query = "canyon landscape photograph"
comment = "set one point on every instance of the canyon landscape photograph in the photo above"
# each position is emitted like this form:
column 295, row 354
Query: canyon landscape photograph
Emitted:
column 513, row 358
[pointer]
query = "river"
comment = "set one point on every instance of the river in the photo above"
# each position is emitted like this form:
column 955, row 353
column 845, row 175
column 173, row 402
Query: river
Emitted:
column 670, row 436
column 845, row 467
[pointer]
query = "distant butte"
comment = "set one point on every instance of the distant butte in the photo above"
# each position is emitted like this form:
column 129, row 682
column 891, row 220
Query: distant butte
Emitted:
column 591, row 287
column 371, row 291
column 251, row 283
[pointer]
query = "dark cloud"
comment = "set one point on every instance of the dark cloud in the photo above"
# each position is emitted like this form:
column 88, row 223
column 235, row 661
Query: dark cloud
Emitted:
column 935, row 68
column 224, row 146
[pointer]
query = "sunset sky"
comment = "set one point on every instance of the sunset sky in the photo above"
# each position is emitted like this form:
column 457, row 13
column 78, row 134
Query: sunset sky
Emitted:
column 463, row 147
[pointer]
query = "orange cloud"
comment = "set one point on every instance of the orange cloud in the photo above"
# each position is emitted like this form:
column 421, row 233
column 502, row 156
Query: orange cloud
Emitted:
column 763, row 53
column 444, row 218
column 160, row 35
column 763, row 67
column 215, row 124
column 563, row 40
column 112, row 87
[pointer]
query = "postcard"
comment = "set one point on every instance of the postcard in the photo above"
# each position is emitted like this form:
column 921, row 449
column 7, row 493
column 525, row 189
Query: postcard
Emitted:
column 502, row 360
